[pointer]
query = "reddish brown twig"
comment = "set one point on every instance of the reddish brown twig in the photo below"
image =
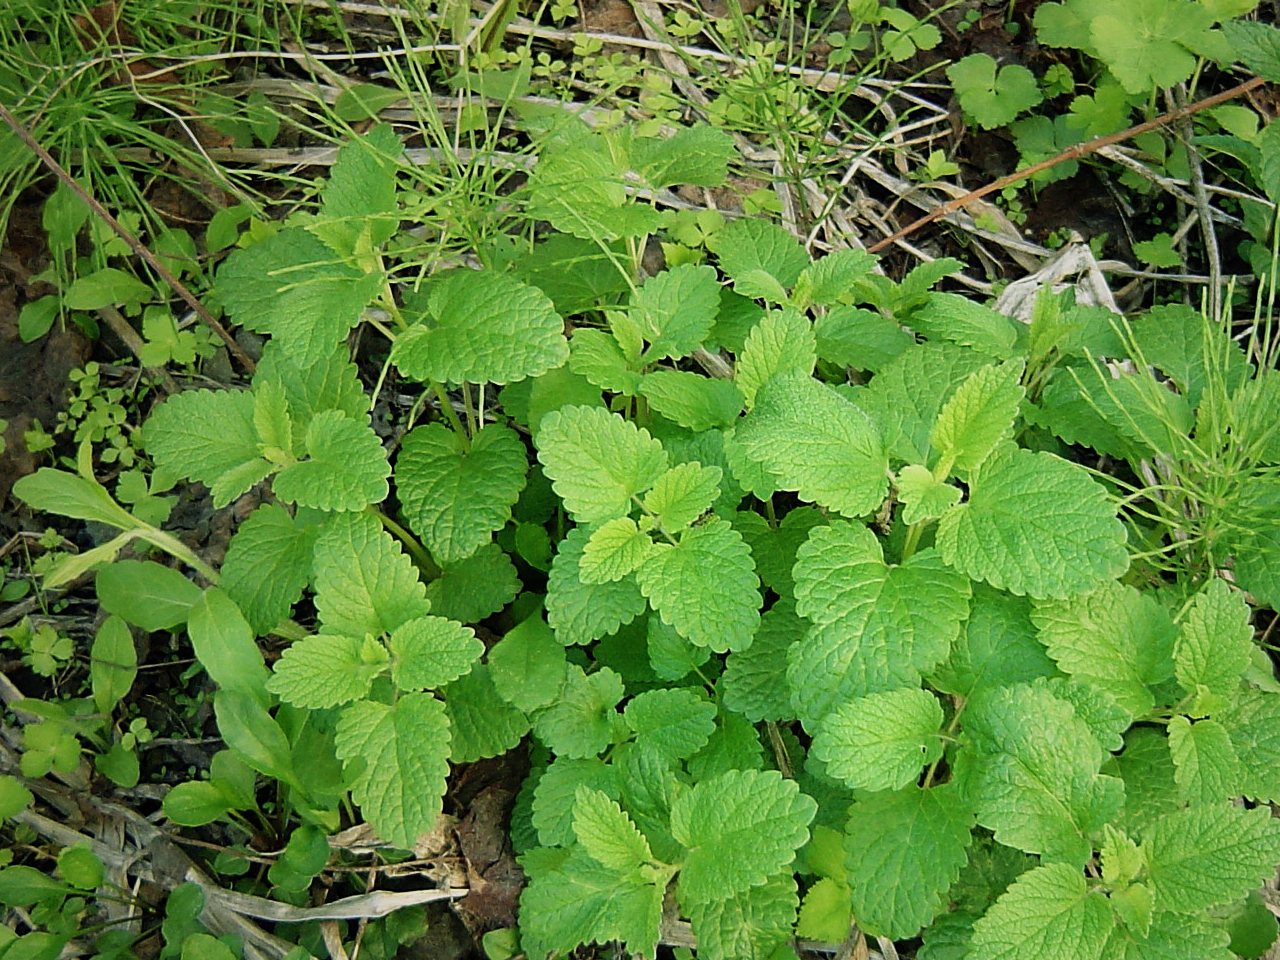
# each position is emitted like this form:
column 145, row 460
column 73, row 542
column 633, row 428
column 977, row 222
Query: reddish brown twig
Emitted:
column 1071, row 153
column 134, row 243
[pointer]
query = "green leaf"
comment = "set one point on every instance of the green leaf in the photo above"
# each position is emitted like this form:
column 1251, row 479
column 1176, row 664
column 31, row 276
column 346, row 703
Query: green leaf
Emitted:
column 527, row 665
column 671, row 656
column 364, row 583
column 697, row 155
column 993, row 99
column 749, row 926
column 224, row 645
column 1116, row 638
column 739, row 829
column 691, row 400
column 253, row 735
column 1037, row 784
column 745, row 245
column 1257, row 46
column 1253, row 722
column 432, row 651
column 481, row 327
column 1163, row 38
column 403, row 752
column 858, row 338
column 579, row 900
column 1210, row 854
column 474, row 588
column 1034, row 524
column 829, row 278
column 595, row 355
column 578, row 724
column 1206, row 767
column 782, row 343
column 147, row 594
column 774, row 551
column 675, row 310
column 967, row 323
column 267, row 565
column 998, row 647
column 880, row 741
column 481, row 723
column 876, row 627
column 331, row 383
column 923, row 497
column 606, row 833
column 754, row 683
column 455, row 498
column 1215, row 643
column 616, row 549
column 683, row 494
column 903, row 852
column 1048, row 914
column 104, row 288
column 362, row 185
column 705, row 586
column 69, row 495
column 210, row 437
column 294, row 287
column 327, row 670
column 556, row 792
column 597, row 461
column 826, row 913
column 581, row 612
column 977, row 417
column 675, row 723
column 113, row 664
column 818, row 444
column 348, row 468
column 271, row 419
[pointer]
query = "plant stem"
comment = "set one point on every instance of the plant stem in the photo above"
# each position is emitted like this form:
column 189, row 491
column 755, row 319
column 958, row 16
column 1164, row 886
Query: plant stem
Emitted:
column 416, row 550
column 447, row 407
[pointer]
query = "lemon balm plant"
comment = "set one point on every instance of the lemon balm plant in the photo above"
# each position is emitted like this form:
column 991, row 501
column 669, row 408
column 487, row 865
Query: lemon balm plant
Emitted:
column 799, row 651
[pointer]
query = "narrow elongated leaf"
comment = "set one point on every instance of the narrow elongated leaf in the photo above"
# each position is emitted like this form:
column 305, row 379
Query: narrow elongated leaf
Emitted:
column 224, row 644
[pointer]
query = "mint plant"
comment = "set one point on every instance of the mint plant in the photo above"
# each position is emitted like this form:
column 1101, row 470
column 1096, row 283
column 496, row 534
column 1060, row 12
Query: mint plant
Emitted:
column 796, row 649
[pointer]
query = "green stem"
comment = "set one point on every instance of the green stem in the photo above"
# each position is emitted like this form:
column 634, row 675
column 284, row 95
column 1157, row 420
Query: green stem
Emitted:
column 172, row 545
column 913, row 540
column 473, row 425
column 452, row 414
column 416, row 550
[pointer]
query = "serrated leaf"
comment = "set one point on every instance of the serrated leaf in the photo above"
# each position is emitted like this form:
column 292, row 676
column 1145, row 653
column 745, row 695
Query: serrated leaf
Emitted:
column 362, row 186
column 595, row 355
column 455, row 498
column 754, row 683
column 404, row 751
column 993, row 99
column 997, row 647
column 1165, row 37
column 325, row 671
column 581, row 612
column 818, row 444
column 674, row 723
column 364, row 583
column 431, row 651
column 880, row 741
column 1210, row 854
column 749, row 926
column 671, row 656
column 977, row 417
column 876, row 627
column 774, row 551
column 584, row 901
column 705, row 586
column 745, row 245
column 829, row 278
column 903, row 851
column 1257, row 45
column 1116, row 638
column 332, row 383
column 691, row 400
column 271, row 416
column 1037, row 784
column 683, row 494
column 923, row 497
column 267, row 565
column 472, row 589
column 697, row 155
column 1214, row 643
column 859, row 338
column 348, row 468
column 606, row 833
column 1253, row 722
column 294, row 287
column 1048, row 914
column 578, row 725
column 556, row 792
column 616, row 549
column 1104, row 717
column 1034, row 524
column 527, row 665
column 208, row 436
column 675, row 310
column 782, row 343
column 597, row 461
column 479, row 326
column 1170, row 936
column 1205, row 765
column 739, row 829
column 481, row 723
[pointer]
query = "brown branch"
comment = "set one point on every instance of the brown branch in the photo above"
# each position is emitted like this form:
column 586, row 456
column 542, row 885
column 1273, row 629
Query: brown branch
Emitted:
column 135, row 244
column 1075, row 152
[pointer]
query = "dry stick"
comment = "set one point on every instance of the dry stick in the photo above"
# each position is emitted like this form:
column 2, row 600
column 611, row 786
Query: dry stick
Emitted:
column 134, row 244
column 1071, row 153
